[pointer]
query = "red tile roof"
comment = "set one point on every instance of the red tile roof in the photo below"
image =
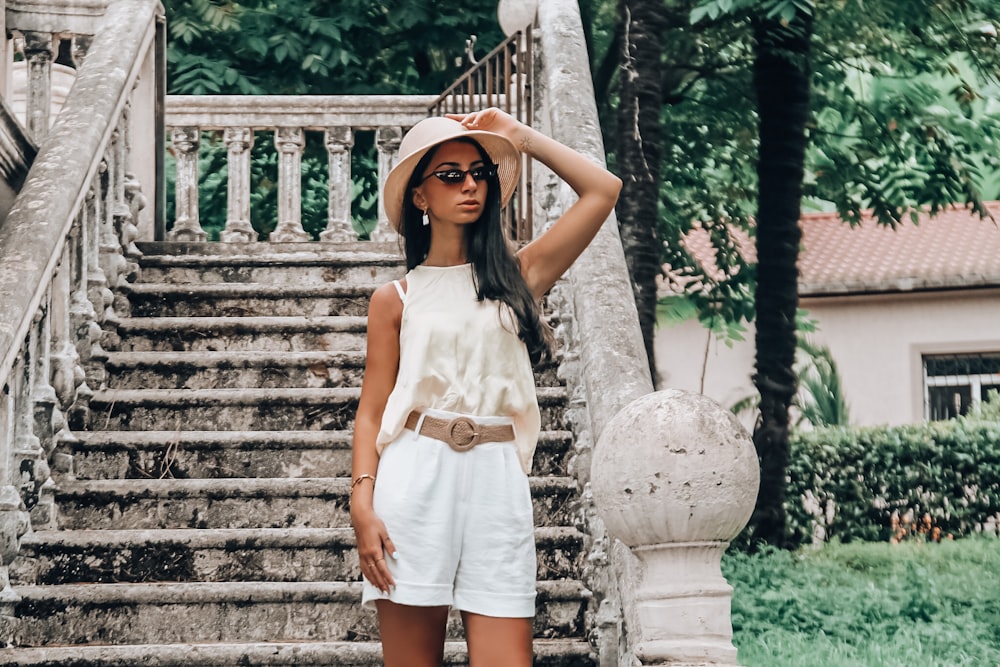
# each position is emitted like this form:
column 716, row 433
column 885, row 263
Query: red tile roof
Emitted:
column 954, row 249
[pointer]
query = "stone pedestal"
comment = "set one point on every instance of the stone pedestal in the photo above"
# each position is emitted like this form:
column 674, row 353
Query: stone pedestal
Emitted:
column 675, row 478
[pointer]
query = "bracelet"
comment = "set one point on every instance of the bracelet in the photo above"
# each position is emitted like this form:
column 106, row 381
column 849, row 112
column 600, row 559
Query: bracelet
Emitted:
column 360, row 478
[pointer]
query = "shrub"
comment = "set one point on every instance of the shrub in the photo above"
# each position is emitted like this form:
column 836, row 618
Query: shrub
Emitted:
column 932, row 479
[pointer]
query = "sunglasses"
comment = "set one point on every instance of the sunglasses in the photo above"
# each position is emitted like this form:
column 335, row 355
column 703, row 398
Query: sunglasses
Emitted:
column 456, row 176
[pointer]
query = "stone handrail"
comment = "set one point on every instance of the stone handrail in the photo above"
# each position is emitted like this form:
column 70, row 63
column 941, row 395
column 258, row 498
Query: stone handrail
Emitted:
column 671, row 476
column 65, row 243
column 288, row 117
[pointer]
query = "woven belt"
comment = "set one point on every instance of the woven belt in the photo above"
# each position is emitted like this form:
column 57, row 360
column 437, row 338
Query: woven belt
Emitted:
column 461, row 433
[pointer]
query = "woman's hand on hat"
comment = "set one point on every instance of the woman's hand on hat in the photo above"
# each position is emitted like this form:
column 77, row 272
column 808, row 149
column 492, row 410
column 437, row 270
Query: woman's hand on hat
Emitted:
column 491, row 120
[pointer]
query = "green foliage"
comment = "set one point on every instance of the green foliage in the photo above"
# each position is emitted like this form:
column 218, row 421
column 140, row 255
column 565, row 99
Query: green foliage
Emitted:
column 854, row 484
column 867, row 604
column 318, row 47
column 906, row 113
column 314, row 47
column 821, row 399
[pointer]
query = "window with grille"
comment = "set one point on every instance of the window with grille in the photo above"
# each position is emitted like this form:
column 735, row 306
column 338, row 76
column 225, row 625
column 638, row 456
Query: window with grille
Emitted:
column 954, row 383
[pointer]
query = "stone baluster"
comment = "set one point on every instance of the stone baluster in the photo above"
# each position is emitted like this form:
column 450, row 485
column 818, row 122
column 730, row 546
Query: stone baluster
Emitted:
column 110, row 258
column 94, row 355
column 13, row 520
column 132, row 201
column 675, row 476
column 187, row 226
column 83, row 318
column 66, row 373
column 39, row 51
column 30, row 464
column 123, row 227
column 339, row 228
column 47, row 415
column 290, row 142
column 387, row 139
column 43, row 395
column 239, row 141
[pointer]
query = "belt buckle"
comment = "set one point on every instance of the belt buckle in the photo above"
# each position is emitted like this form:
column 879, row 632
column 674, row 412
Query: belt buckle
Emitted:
column 469, row 441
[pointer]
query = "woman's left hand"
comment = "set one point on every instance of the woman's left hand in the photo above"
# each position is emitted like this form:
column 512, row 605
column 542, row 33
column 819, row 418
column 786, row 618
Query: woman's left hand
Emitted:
column 493, row 120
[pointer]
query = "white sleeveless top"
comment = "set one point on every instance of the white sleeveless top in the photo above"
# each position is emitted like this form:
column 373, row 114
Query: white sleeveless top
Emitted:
column 461, row 355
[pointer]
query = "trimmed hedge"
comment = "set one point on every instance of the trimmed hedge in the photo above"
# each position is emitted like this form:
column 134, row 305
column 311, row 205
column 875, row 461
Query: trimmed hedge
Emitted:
column 849, row 484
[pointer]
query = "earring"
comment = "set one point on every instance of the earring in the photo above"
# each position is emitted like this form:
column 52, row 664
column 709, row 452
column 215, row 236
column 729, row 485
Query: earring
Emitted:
column 426, row 219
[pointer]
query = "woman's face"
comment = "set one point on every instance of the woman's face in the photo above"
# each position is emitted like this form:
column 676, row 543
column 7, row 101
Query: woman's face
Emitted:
column 453, row 195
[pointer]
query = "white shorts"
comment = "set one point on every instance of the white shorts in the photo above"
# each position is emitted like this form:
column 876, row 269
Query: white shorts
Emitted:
column 462, row 525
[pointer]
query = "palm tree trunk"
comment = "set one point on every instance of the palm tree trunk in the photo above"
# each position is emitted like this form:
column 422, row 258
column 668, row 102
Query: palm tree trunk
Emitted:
column 638, row 153
column 781, row 83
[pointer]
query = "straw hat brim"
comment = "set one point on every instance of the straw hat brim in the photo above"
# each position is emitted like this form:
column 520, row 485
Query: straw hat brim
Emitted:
column 432, row 132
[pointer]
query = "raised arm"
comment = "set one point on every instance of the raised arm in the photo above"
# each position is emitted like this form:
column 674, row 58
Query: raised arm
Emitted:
column 546, row 258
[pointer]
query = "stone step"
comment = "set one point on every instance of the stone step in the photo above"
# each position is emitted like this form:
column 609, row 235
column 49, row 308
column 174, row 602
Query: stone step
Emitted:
column 204, row 409
column 261, row 554
column 286, row 408
column 313, row 502
column 248, row 369
column 341, row 265
column 548, row 653
column 237, row 612
column 224, row 454
column 292, row 334
column 247, row 300
column 234, row 370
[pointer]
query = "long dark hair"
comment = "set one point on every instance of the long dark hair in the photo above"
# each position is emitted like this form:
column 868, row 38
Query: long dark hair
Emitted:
column 496, row 270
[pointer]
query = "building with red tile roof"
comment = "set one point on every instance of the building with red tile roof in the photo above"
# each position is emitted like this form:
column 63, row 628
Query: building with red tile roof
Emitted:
column 911, row 315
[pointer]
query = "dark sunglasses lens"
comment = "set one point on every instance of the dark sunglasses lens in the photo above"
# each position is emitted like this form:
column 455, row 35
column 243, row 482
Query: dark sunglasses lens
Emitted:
column 451, row 177
column 456, row 176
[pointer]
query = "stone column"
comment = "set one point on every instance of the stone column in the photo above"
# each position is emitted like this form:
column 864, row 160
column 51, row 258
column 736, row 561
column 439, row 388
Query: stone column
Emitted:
column 239, row 141
column 187, row 226
column 339, row 228
column 39, row 51
column 290, row 142
column 13, row 521
column 387, row 139
column 675, row 477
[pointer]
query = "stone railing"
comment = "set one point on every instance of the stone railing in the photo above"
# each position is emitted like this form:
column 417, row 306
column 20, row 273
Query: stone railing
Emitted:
column 67, row 240
column 501, row 78
column 239, row 118
column 668, row 478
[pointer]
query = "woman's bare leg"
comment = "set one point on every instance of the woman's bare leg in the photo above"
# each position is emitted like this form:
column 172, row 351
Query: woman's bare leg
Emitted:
column 498, row 642
column 411, row 636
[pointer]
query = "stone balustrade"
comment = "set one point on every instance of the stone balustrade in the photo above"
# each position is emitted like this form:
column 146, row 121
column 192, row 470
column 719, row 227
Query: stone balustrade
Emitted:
column 67, row 241
column 240, row 118
column 671, row 477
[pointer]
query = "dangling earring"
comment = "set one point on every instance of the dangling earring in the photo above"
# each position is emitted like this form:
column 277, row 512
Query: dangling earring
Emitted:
column 426, row 219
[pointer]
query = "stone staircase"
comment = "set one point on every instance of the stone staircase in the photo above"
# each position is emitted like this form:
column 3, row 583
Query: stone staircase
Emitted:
column 206, row 519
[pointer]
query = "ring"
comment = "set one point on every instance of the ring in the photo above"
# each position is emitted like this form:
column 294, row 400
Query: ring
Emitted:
column 378, row 559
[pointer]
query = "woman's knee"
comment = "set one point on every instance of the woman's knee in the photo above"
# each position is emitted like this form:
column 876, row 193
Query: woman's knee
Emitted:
column 411, row 636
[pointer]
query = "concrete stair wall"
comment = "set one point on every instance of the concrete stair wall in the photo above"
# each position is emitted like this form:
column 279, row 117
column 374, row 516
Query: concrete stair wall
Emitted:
column 205, row 521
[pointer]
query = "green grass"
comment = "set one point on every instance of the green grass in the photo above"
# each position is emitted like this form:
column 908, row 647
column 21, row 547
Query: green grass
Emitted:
column 863, row 604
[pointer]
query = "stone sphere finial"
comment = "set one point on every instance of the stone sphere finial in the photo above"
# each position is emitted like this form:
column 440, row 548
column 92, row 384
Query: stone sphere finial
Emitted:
column 674, row 466
column 675, row 476
column 515, row 15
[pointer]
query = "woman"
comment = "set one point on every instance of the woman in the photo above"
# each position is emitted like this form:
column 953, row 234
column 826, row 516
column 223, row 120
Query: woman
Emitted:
column 448, row 419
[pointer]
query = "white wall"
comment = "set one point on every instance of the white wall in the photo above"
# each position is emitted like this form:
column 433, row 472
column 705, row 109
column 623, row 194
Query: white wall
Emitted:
column 877, row 342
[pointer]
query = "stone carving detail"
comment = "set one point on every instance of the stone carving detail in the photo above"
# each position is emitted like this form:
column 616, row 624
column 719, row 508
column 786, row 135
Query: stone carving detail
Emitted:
column 187, row 226
column 339, row 229
column 387, row 139
column 290, row 142
column 39, row 51
column 239, row 141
